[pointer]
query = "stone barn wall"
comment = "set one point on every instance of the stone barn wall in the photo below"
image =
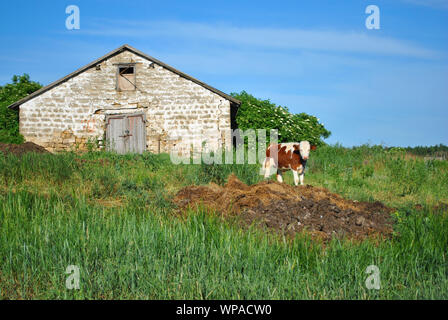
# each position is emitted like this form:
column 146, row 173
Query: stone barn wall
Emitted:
column 72, row 114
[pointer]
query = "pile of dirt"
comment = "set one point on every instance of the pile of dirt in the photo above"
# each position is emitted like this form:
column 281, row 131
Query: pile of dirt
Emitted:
column 291, row 209
column 20, row 149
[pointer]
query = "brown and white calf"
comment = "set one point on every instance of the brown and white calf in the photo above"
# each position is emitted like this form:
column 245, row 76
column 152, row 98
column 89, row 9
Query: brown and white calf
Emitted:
column 288, row 156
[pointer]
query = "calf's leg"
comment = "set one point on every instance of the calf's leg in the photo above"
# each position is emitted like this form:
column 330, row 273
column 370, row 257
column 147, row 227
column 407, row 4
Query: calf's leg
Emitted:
column 267, row 167
column 279, row 176
column 296, row 177
column 301, row 171
column 302, row 175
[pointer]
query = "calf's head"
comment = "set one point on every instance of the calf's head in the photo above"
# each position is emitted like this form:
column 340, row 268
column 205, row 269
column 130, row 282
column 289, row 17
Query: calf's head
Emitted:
column 304, row 149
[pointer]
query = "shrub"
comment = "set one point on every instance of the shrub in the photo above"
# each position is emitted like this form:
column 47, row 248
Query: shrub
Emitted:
column 262, row 114
column 20, row 87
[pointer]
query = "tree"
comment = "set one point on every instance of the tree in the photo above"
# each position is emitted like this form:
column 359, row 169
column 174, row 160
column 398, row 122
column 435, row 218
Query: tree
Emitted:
column 20, row 87
column 262, row 114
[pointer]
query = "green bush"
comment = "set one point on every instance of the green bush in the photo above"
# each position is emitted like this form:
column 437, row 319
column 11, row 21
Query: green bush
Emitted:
column 262, row 114
column 20, row 87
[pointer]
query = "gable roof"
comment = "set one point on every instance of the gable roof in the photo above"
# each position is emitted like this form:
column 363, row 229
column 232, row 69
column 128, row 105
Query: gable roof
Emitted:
column 111, row 54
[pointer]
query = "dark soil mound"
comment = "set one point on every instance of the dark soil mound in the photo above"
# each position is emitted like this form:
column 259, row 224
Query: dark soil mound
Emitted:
column 19, row 149
column 291, row 209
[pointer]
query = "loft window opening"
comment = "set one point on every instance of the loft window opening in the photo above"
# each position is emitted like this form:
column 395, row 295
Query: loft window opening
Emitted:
column 126, row 78
column 126, row 70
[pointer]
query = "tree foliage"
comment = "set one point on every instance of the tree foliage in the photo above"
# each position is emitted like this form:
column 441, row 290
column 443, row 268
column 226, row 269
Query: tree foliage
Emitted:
column 262, row 114
column 428, row 150
column 20, row 87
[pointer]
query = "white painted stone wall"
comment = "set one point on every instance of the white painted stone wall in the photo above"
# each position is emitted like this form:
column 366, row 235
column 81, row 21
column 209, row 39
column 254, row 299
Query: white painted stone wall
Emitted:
column 73, row 114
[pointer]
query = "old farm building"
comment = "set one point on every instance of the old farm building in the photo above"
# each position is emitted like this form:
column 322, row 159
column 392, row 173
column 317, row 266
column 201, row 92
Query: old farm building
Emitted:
column 126, row 101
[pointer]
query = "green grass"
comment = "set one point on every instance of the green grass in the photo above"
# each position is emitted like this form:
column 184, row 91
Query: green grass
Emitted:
column 111, row 216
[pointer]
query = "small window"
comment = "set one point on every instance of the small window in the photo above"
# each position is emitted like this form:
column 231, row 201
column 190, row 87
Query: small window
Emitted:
column 126, row 78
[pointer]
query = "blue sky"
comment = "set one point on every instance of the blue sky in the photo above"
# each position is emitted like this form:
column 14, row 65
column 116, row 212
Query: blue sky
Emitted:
column 386, row 86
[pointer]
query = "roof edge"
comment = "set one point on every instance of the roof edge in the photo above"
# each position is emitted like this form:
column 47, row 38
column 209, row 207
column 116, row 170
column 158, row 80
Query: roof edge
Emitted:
column 182, row 74
column 124, row 47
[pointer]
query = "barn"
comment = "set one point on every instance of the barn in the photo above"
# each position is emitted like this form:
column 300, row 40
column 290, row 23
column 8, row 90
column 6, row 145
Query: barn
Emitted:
column 126, row 101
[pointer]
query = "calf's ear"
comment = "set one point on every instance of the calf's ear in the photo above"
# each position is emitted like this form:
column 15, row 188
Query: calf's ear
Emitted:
column 313, row 147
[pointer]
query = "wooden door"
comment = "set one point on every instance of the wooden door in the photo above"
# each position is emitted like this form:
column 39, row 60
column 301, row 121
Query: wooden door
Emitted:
column 126, row 133
column 137, row 132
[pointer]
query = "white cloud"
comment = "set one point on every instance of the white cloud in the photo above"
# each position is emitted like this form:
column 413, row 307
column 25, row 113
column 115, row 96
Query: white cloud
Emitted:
column 267, row 38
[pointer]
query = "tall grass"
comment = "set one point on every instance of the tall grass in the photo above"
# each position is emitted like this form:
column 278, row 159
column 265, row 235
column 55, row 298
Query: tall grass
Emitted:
column 368, row 173
column 111, row 216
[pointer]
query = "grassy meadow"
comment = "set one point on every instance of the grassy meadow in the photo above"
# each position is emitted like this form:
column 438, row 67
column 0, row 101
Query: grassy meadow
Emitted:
column 111, row 215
